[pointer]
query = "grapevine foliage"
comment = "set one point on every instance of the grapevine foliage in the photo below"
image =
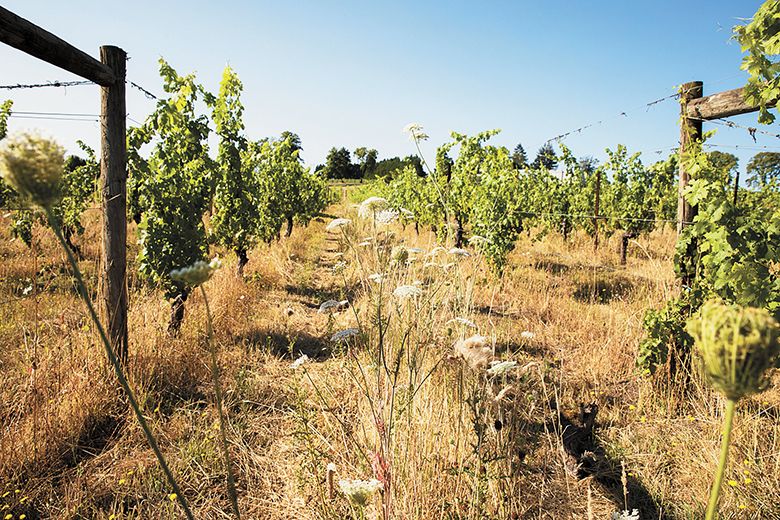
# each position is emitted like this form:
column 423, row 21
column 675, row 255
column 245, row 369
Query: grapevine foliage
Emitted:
column 171, row 190
column 761, row 40
column 731, row 252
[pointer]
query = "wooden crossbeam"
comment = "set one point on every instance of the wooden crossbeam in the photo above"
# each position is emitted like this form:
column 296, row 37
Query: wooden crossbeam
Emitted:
column 723, row 104
column 28, row 37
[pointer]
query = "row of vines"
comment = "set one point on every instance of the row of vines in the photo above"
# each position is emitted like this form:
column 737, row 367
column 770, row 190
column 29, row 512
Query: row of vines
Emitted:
column 183, row 199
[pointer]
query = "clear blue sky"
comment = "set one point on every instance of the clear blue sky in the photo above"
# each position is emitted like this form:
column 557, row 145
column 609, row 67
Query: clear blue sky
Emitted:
column 354, row 73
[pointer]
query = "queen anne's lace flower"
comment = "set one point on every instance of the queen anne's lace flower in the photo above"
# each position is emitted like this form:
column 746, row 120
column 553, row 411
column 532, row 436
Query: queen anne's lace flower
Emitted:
column 463, row 321
column 300, row 361
column 415, row 131
column 337, row 223
column 403, row 292
column 197, row 273
column 477, row 240
column 376, row 277
column 527, row 334
column 344, row 335
column 331, row 306
column 371, row 206
column 626, row 515
column 474, row 351
column 386, row 216
column 457, row 251
column 499, row 368
column 359, row 492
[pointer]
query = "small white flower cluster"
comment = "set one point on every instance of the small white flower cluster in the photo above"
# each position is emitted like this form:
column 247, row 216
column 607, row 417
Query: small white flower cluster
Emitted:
column 404, row 292
column 337, row 223
column 464, row 322
column 499, row 368
column 376, row 277
column 331, row 306
column 359, row 492
column 626, row 515
column 371, row 206
column 527, row 334
column 477, row 240
column 386, row 216
column 415, row 131
column 474, row 351
column 457, row 251
column 300, row 361
column 197, row 273
column 345, row 334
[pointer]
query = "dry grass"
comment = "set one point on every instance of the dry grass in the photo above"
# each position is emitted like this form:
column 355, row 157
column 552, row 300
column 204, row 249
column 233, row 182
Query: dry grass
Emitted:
column 72, row 450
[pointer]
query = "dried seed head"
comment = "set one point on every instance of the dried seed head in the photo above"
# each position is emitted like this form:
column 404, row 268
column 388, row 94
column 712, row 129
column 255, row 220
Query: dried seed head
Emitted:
column 33, row 166
column 737, row 345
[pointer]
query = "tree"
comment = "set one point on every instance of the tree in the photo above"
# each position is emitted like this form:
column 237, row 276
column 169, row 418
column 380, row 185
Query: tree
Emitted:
column 235, row 225
column 366, row 161
column 763, row 170
column 725, row 163
column 338, row 165
column 172, row 188
column 545, row 157
column 295, row 142
column 519, row 157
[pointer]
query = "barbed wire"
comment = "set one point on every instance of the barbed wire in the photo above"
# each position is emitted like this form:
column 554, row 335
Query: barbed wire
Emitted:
column 145, row 91
column 49, row 84
column 751, row 130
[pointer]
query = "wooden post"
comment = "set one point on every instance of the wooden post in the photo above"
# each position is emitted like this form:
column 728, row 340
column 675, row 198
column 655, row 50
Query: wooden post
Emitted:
column 113, row 174
column 690, row 132
column 596, row 211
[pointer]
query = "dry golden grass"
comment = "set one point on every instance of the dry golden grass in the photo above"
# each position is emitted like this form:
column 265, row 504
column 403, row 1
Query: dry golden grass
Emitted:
column 72, row 450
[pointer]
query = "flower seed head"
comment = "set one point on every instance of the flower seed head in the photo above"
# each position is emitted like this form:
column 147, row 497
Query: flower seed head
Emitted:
column 737, row 345
column 33, row 166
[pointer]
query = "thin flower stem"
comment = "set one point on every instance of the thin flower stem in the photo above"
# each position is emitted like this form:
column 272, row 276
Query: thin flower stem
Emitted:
column 218, row 395
column 712, row 507
column 82, row 289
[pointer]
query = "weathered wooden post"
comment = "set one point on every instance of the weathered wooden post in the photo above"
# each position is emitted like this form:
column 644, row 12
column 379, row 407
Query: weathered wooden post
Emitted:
column 596, row 211
column 690, row 132
column 109, row 73
column 113, row 177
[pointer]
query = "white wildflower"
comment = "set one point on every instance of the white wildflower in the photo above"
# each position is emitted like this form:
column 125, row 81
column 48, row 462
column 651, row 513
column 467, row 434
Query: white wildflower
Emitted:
column 527, row 334
column 477, row 240
column 337, row 223
column 459, row 252
column 408, row 215
column 359, row 492
column 403, row 292
column 626, row 515
column 499, row 368
column 429, row 265
column 386, row 216
column 33, row 165
column 344, row 334
column 436, row 250
column 331, row 306
column 415, row 131
column 300, row 361
column 331, row 467
column 415, row 250
column 376, row 277
column 339, row 267
column 371, row 206
column 365, row 243
column 197, row 273
column 463, row 321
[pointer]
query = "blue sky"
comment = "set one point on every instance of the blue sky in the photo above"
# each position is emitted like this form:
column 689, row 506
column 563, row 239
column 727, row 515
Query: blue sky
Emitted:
column 353, row 73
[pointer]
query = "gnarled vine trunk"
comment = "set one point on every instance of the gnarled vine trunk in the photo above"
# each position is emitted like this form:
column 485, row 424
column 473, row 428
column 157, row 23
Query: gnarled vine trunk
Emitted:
column 624, row 245
column 177, row 313
column 243, row 259
column 459, row 233
column 289, row 226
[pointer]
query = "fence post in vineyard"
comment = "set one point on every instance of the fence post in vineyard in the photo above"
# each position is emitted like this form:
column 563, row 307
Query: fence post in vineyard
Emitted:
column 596, row 211
column 113, row 181
column 690, row 132
column 109, row 73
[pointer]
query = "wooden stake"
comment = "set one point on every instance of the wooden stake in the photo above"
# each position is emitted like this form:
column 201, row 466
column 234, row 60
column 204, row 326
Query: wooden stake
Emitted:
column 113, row 174
column 596, row 211
column 690, row 132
